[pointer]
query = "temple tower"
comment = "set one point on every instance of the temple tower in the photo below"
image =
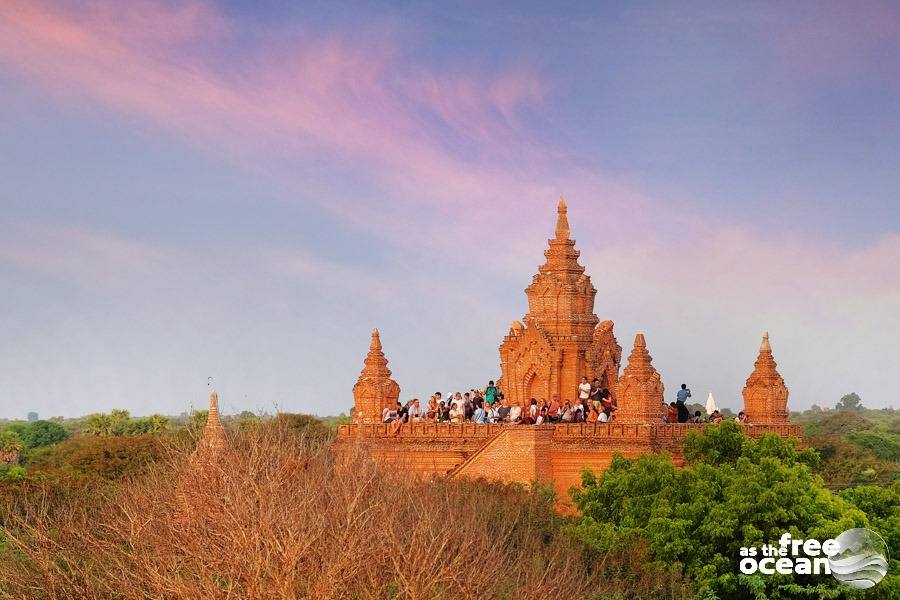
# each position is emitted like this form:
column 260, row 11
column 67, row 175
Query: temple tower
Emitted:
column 559, row 340
column 212, row 440
column 374, row 390
column 765, row 395
column 640, row 388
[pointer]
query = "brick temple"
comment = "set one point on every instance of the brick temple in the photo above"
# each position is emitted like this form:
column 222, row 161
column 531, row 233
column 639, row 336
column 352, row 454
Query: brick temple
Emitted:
column 544, row 356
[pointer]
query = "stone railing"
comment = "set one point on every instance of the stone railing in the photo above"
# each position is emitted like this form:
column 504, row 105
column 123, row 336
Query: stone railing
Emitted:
column 605, row 430
column 561, row 430
column 430, row 430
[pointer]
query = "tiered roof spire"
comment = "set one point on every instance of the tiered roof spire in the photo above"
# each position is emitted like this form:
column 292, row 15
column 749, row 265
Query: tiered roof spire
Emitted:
column 376, row 363
column 562, row 221
column 640, row 387
column 640, row 361
column 765, row 394
column 374, row 390
column 213, row 437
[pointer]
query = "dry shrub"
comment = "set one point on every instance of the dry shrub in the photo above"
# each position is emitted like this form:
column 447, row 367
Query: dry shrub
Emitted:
column 277, row 516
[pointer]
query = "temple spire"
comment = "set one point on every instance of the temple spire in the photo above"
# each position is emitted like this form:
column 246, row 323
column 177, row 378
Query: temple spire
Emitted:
column 765, row 347
column 375, row 345
column 374, row 390
column 765, row 394
column 640, row 361
column 640, row 387
column 375, row 364
column 562, row 221
column 212, row 418
column 212, row 440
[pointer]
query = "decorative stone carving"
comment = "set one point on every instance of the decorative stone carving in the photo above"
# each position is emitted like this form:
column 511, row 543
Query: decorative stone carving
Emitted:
column 560, row 341
column 374, row 390
column 640, row 388
column 765, row 395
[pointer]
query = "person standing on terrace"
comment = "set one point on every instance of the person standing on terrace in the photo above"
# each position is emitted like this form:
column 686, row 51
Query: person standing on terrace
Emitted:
column 490, row 393
column 432, row 413
column 584, row 389
column 683, row 394
column 479, row 413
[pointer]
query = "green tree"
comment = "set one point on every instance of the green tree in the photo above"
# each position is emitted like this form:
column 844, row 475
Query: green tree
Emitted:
column 198, row 420
column 12, row 473
column 159, row 423
column 106, row 457
column 307, row 426
column 882, row 506
column 883, row 444
column 120, row 421
column 10, row 441
column 38, row 434
column 734, row 491
column 98, row 424
column 850, row 401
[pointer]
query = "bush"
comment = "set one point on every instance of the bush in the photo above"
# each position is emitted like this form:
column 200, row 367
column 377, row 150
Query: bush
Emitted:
column 837, row 423
column 279, row 515
column 39, row 434
column 104, row 457
column 883, row 444
column 735, row 491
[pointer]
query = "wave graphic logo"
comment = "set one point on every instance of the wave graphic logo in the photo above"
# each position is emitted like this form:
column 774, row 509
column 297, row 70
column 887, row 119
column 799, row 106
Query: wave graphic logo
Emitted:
column 861, row 560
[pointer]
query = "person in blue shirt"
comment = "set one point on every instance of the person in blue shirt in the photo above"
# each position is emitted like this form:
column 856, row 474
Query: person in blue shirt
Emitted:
column 479, row 412
column 683, row 394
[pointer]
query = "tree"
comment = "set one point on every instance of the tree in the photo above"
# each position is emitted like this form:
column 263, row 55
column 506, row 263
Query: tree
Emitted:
column 12, row 473
column 98, row 424
column 106, row 457
column 120, row 421
column 10, row 447
column 198, row 420
column 158, row 423
column 735, row 491
column 306, row 426
column 882, row 506
column 42, row 433
column 850, row 401
column 10, row 441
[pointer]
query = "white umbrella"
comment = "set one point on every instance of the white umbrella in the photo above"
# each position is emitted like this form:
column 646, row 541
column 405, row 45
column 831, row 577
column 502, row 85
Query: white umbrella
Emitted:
column 711, row 405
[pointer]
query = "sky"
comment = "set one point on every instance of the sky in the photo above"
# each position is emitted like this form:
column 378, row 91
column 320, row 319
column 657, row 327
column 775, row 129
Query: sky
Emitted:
column 244, row 190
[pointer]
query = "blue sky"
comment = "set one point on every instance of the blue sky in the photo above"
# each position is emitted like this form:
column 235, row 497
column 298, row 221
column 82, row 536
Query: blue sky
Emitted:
column 244, row 191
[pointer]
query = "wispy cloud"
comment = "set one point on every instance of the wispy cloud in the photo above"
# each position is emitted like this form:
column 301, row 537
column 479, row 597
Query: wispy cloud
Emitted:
column 309, row 93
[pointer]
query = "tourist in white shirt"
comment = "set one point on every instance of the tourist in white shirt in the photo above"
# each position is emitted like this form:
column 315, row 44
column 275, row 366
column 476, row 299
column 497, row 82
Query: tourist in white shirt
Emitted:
column 584, row 389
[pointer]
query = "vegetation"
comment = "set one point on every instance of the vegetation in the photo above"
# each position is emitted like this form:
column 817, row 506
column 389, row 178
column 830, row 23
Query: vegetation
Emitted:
column 104, row 506
column 38, row 434
column 279, row 515
column 857, row 447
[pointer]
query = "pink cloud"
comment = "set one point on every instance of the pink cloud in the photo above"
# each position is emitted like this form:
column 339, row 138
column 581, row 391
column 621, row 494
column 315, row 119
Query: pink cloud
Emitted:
column 304, row 93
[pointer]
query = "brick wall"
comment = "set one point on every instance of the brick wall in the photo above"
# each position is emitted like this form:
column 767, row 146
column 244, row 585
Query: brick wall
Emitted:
column 556, row 454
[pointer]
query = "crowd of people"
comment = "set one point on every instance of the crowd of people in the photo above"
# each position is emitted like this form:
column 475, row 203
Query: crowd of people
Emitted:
column 595, row 404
